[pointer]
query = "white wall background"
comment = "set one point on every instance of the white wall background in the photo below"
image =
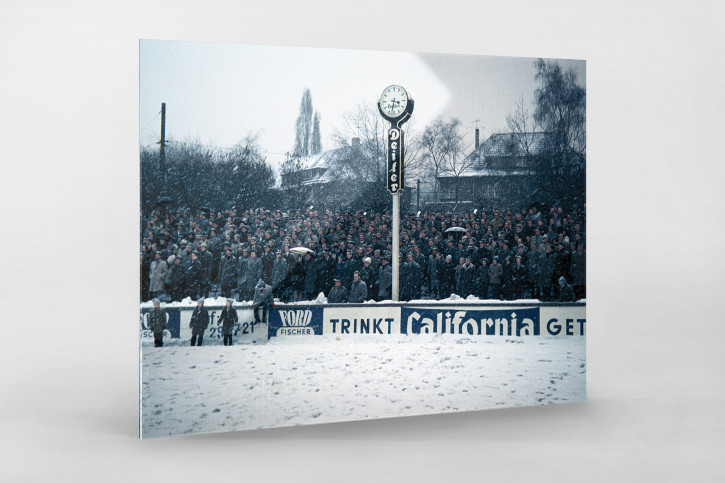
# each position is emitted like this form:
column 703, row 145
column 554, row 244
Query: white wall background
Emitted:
column 68, row 138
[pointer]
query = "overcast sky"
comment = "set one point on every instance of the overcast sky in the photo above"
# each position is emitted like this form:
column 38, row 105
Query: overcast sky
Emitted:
column 218, row 93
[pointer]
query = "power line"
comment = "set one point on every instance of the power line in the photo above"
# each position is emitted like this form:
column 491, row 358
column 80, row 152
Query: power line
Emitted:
column 152, row 120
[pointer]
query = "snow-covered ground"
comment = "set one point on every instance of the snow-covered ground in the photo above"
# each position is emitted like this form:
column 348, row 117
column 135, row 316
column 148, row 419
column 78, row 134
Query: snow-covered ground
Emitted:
column 321, row 379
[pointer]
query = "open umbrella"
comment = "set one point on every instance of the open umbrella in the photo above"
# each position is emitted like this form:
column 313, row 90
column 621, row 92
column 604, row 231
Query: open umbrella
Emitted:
column 301, row 250
column 457, row 229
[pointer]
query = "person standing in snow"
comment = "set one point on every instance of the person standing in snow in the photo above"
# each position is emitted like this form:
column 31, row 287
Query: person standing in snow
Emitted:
column 263, row 299
column 157, row 323
column 227, row 319
column 199, row 323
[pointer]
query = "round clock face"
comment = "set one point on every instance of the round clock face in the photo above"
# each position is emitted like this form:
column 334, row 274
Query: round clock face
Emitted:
column 394, row 101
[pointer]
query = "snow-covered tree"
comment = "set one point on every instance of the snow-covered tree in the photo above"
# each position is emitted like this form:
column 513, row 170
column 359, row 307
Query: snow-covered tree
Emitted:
column 304, row 125
column 316, row 137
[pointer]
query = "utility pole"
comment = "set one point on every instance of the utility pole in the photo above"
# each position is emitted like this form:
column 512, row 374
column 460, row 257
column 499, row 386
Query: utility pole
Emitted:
column 162, row 148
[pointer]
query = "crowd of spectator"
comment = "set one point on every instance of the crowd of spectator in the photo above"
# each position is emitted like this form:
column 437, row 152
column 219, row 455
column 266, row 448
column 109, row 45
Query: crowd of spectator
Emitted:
column 496, row 254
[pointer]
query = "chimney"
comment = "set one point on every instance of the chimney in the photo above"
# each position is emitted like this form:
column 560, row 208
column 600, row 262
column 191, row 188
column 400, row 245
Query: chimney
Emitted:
column 476, row 138
column 355, row 143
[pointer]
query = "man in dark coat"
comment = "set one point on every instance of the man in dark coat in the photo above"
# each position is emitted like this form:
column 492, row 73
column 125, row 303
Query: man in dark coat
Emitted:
column 482, row 279
column 410, row 279
column 385, row 279
column 263, row 299
column 199, row 322
column 566, row 293
column 157, row 323
column 254, row 273
column 468, row 278
column 495, row 278
column 358, row 290
column 519, row 278
column 325, row 272
column 338, row 293
column 227, row 272
column 176, row 281
column 227, row 319
column 448, row 277
column 434, row 268
column 207, row 261
column 312, row 270
column 579, row 271
column 279, row 274
column 193, row 276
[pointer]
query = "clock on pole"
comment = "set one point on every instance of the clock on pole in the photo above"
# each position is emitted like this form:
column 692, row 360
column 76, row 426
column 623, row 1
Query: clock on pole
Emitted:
column 396, row 107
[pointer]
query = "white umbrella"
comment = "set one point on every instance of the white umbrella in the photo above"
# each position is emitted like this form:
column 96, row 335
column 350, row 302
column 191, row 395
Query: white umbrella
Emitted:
column 301, row 250
column 458, row 229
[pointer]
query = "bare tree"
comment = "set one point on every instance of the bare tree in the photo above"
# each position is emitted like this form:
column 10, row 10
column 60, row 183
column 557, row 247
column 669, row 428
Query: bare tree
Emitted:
column 522, row 126
column 444, row 150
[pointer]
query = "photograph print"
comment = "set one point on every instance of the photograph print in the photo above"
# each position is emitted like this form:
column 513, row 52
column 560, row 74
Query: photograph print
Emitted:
column 336, row 235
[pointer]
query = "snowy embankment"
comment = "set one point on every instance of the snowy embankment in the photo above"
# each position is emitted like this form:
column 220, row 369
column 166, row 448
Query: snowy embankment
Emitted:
column 324, row 379
column 321, row 299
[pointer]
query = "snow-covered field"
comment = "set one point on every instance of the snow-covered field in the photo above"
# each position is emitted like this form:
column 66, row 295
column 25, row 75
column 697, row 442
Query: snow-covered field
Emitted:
column 324, row 379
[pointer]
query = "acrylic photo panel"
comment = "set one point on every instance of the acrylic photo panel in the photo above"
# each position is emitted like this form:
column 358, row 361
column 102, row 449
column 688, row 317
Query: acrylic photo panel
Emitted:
column 275, row 289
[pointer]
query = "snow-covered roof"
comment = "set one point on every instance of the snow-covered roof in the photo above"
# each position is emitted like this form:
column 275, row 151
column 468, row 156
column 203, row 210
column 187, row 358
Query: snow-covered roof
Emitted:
column 486, row 159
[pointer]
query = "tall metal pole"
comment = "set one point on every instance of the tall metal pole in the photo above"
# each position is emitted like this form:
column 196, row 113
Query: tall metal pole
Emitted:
column 162, row 150
column 396, row 245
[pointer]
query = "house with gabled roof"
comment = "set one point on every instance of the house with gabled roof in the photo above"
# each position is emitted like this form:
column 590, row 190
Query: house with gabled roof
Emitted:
column 505, row 170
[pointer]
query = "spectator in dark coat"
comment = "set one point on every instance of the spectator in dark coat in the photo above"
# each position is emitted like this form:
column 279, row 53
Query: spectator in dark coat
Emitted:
column 176, row 281
column 193, row 276
column 548, row 273
column 566, row 292
column 410, row 279
column 468, row 278
column 228, row 273
column 385, row 279
column 227, row 319
column 207, row 261
column 536, row 259
column 157, row 275
column 263, row 299
column 279, row 273
column 199, row 322
column 297, row 278
column 448, row 277
column 254, row 273
column 369, row 277
column 338, row 293
column 579, row 272
column 358, row 290
column 311, row 270
column 519, row 277
column 434, row 267
column 145, row 282
column 508, row 279
column 325, row 272
column 242, row 265
column 157, row 323
column 482, row 279
column 495, row 278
